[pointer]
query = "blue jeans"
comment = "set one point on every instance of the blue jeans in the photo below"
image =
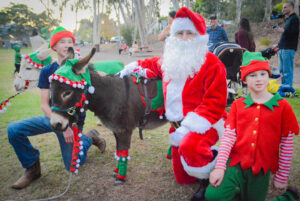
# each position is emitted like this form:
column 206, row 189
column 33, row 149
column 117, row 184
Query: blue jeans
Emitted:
column 19, row 131
column 286, row 66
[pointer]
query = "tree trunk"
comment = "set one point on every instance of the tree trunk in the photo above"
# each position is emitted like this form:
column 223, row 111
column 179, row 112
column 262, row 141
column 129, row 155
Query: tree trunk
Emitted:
column 238, row 10
column 296, row 7
column 76, row 19
column 100, row 16
column 175, row 5
column 138, row 4
column 268, row 8
column 95, row 36
column 126, row 18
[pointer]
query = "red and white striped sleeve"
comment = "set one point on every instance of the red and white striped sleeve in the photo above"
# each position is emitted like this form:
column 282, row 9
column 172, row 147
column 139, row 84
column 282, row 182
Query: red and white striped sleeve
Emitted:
column 227, row 142
column 285, row 158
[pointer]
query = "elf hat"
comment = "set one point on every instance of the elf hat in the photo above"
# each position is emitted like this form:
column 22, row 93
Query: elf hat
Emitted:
column 253, row 61
column 65, row 75
column 185, row 19
column 58, row 34
column 34, row 61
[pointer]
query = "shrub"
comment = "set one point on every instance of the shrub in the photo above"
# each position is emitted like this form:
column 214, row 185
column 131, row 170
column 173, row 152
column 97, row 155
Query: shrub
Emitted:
column 126, row 32
column 265, row 41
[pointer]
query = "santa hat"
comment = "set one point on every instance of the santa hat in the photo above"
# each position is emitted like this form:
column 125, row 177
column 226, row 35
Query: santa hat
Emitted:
column 77, row 54
column 185, row 19
column 58, row 34
column 34, row 61
column 253, row 61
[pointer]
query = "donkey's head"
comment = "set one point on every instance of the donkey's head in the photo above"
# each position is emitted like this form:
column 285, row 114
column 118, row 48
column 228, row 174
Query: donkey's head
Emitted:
column 30, row 69
column 68, row 87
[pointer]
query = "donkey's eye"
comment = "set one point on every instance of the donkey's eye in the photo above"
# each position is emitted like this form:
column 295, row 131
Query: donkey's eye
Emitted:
column 66, row 94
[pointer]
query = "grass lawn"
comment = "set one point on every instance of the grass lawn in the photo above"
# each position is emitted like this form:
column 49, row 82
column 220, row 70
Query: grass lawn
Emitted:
column 150, row 175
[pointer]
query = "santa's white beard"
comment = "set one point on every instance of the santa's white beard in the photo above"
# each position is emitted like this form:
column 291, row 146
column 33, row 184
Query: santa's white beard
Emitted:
column 183, row 58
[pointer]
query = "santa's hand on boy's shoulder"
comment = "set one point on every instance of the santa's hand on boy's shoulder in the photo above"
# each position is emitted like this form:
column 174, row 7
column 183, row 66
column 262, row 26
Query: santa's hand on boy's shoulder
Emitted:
column 216, row 177
column 279, row 186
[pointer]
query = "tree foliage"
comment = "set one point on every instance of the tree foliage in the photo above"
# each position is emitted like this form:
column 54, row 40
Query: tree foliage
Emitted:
column 254, row 10
column 24, row 19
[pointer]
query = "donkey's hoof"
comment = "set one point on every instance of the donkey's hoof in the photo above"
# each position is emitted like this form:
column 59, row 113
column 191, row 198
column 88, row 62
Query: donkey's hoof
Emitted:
column 119, row 182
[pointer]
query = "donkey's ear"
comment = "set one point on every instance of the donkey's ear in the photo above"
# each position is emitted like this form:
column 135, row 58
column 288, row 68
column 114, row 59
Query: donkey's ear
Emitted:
column 81, row 65
column 70, row 55
column 44, row 54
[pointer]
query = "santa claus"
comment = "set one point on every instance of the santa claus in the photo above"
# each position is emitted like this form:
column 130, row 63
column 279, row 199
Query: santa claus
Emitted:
column 195, row 89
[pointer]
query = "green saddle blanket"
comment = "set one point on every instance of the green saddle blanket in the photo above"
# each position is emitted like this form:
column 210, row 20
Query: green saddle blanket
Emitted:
column 113, row 67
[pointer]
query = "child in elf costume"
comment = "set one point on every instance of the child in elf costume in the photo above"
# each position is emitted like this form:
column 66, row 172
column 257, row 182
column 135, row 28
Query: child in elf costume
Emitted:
column 258, row 141
column 17, row 59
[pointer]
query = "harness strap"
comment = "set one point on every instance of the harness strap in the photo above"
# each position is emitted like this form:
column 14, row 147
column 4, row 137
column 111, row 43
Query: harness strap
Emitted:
column 146, row 116
column 175, row 124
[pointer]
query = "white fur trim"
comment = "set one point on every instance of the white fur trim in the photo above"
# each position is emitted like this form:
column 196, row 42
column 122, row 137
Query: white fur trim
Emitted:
column 176, row 137
column 196, row 123
column 174, row 107
column 180, row 24
column 219, row 126
column 204, row 39
column 128, row 69
column 200, row 172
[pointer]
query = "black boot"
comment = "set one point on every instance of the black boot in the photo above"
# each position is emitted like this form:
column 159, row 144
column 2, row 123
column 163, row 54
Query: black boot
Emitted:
column 294, row 191
column 199, row 195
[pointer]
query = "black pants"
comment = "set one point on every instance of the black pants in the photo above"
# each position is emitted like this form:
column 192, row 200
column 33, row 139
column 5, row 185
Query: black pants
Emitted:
column 17, row 70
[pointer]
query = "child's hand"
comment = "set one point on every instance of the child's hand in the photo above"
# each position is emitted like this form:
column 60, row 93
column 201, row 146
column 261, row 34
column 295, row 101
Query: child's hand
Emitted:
column 279, row 186
column 216, row 177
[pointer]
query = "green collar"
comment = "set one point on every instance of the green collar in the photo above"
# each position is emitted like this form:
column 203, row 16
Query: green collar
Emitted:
column 269, row 104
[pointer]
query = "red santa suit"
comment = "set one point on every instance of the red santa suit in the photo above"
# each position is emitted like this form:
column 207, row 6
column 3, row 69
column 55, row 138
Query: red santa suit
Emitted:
column 197, row 102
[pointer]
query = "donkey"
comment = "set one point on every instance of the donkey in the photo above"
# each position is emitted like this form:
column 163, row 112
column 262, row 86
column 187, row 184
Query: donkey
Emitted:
column 115, row 101
column 29, row 74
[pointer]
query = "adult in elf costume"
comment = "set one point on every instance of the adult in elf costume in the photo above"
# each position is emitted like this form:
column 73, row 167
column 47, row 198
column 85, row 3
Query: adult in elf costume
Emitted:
column 258, row 140
column 195, row 89
column 18, row 132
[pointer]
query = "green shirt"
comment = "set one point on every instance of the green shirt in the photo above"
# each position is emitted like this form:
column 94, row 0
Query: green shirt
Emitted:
column 17, row 58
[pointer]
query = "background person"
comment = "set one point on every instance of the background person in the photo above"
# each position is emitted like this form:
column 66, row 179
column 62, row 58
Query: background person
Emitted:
column 18, row 132
column 288, row 43
column 244, row 37
column 36, row 40
column 216, row 33
column 165, row 33
column 18, row 58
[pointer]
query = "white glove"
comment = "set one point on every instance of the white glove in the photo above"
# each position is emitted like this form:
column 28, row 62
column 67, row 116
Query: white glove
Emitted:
column 128, row 69
column 176, row 137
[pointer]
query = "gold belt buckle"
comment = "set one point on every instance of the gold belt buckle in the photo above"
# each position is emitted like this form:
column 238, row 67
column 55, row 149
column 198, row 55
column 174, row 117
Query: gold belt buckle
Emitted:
column 175, row 124
column 71, row 112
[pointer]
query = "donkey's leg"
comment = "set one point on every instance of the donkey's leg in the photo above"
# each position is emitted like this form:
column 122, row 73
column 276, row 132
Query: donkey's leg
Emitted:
column 123, row 144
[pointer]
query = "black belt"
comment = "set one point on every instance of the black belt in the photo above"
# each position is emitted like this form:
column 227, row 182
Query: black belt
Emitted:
column 175, row 124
